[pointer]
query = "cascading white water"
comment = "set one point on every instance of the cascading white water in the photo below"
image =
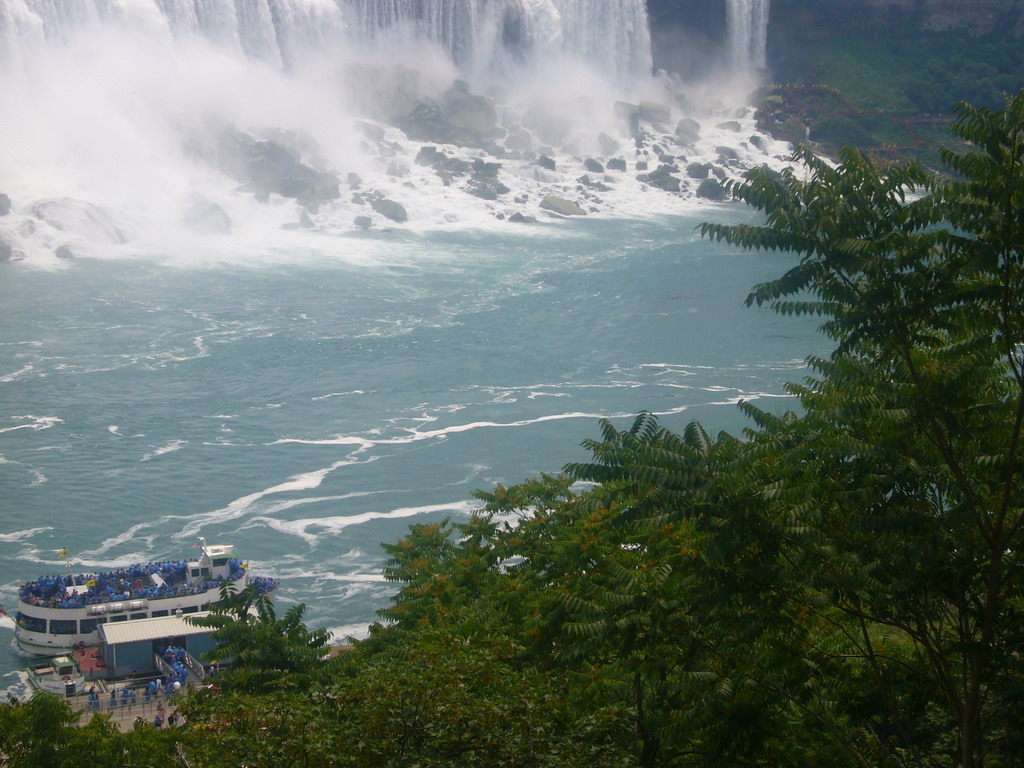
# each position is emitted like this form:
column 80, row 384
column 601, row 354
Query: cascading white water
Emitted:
column 747, row 22
column 168, row 123
column 610, row 35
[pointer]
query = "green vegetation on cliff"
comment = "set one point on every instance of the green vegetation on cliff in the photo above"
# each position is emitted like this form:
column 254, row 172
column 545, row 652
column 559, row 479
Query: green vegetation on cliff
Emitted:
column 837, row 588
column 892, row 96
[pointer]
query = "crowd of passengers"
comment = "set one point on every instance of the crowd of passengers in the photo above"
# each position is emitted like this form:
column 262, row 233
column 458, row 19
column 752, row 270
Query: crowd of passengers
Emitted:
column 175, row 659
column 132, row 583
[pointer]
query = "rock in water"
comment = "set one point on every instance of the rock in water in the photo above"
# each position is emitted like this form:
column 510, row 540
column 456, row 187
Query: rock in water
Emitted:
column 662, row 178
column 687, row 131
column 653, row 112
column 389, row 209
column 561, row 206
column 5, row 205
column 698, row 170
column 78, row 217
column 468, row 111
column 207, row 218
column 268, row 167
column 711, row 189
column 363, row 222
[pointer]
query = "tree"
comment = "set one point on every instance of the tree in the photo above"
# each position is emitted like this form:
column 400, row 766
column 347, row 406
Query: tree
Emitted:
column 263, row 652
column 908, row 479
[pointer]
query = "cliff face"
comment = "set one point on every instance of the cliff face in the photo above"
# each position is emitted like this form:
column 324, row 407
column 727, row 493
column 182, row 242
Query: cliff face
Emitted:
column 991, row 19
column 687, row 32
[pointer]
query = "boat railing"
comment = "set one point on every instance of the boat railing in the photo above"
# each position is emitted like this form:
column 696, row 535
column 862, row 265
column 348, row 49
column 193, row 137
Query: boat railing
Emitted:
column 194, row 667
column 166, row 669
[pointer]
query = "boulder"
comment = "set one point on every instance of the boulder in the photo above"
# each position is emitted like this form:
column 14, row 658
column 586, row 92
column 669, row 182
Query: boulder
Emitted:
column 616, row 164
column 654, row 112
column 593, row 165
column 641, row 165
column 430, row 156
column 487, row 190
column 698, row 170
column 727, row 153
column 687, row 131
column 269, row 167
column 6, row 251
column 546, row 162
column 398, row 169
column 468, row 111
column 5, row 204
column 662, row 178
column 729, row 125
column 389, row 209
column 711, row 189
column 363, row 222
column 81, row 218
column 562, row 207
column 427, row 123
column 370, row 131
column 518, row 218
column 206, row 218
column 608, row 145
column 757, row 141
column 519, row 140
column 455, row 165
column 64, row 252
column 483, row 169
column 354, row 180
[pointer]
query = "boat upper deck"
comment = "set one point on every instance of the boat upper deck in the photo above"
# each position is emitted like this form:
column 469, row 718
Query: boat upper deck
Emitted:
column 152, row 581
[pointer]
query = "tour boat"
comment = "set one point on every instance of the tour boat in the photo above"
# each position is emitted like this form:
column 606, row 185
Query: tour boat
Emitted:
column 57, row 613
column 60, row 675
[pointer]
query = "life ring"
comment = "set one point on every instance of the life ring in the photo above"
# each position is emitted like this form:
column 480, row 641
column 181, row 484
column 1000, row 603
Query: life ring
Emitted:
column 137, row 584
column 66, row 677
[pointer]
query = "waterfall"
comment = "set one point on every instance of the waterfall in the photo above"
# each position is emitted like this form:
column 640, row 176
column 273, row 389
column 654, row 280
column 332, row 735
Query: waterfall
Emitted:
column 609, row 35
column 748, row 33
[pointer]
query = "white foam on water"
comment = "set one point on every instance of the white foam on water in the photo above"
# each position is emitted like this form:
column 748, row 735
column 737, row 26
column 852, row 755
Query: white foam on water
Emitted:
column 37, row 423
column 340, row 633
column 330, row 526
column 171, row 447
column 25, row 534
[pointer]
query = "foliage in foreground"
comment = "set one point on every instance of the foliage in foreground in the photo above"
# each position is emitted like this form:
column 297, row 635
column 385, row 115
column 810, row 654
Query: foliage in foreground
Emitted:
column 837, row 588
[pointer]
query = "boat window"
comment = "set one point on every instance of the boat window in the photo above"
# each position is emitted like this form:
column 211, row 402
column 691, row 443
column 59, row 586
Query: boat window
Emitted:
column 63, row 626
column 157, row 614
column 191, row 609
column 221, row 561
column 88, row 625
column 138, row 616
column 31, row 623
column 122, row 617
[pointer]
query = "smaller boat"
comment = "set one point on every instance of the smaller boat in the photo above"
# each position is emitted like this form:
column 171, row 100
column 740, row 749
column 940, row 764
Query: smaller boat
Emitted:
column 60, row 675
